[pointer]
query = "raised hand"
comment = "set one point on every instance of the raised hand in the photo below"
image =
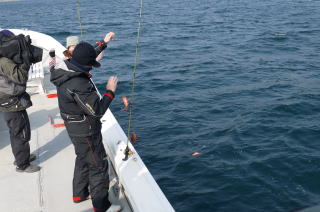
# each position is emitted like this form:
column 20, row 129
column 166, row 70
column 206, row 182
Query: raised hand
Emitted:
column 112, row 84
column 110, row 36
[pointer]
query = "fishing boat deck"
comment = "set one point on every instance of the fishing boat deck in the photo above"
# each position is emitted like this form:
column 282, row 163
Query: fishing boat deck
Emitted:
column 50, row 190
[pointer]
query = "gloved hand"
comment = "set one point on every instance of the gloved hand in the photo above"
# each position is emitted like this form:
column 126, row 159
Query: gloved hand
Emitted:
column 52, row 60
column 52, row 53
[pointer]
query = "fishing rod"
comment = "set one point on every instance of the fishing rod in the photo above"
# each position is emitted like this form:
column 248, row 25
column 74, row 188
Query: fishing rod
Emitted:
column 79, row 17
column 127, row 150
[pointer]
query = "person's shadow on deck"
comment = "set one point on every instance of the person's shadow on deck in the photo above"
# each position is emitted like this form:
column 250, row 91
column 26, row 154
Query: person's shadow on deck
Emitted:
column 41, row 117
column 51, row 148
column 56, row 144
column 37, row 119
column 4, row 133
column 88, row 210
column 4, row 139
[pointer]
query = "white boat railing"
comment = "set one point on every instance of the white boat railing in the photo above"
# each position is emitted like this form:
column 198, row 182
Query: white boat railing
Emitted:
column 36, row 77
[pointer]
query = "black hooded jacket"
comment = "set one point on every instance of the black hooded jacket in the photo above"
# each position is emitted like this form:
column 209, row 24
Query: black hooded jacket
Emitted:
column 79, row 103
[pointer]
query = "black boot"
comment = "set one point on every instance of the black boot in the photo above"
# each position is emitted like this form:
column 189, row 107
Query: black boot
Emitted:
column 29, row 169
column 31, row 158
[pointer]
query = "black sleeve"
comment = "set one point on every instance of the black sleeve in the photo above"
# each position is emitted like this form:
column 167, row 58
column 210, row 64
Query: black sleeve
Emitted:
column 99, row 47
column 91, row 104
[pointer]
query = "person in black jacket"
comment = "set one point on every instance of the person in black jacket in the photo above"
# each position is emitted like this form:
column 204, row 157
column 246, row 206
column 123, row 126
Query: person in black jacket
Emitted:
column 81, row 109
column 16, row 56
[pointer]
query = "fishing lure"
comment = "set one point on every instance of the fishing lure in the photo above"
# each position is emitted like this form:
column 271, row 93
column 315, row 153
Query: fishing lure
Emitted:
column 196, row 154
column 125, row 103
column 133, row 138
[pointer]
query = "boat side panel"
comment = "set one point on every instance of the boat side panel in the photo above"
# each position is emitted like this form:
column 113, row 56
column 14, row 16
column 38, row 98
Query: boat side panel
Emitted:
column 140, row 187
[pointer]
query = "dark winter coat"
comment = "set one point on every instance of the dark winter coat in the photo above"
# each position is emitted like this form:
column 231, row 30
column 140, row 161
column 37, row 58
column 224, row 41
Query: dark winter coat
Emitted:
column 16, row 56
column 13, row 79
column 79, row 103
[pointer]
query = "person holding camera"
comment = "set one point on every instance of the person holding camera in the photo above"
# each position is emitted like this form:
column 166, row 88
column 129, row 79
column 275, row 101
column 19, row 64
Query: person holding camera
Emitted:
column 16, row 56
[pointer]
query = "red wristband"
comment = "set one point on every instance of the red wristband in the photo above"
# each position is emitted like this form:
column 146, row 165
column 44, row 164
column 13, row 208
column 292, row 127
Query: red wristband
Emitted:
column 100, row 43
column 109, row 95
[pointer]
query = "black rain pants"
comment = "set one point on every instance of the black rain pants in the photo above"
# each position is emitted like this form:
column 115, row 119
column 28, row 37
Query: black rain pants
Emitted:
column 19, row 129
column 91, row 171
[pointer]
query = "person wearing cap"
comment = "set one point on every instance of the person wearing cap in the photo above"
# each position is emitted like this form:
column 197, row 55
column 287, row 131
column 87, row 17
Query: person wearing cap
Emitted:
column 16, row 56
column 99, row 47
column 72, row 41
column 81, row 109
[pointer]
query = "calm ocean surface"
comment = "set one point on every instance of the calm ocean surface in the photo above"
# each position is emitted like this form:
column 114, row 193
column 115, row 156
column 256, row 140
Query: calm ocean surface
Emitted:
column 236, row 80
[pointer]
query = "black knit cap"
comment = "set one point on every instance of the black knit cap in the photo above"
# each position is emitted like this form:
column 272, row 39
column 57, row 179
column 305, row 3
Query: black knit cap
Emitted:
column 85, row 55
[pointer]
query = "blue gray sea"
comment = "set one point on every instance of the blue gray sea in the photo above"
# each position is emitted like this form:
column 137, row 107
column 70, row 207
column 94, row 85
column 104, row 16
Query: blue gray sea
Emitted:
column 236, row 80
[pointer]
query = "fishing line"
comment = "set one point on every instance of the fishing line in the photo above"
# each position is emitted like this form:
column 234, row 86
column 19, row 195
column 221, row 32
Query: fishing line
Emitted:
column 133, row 79
column 79, row 17
column 127, row 150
